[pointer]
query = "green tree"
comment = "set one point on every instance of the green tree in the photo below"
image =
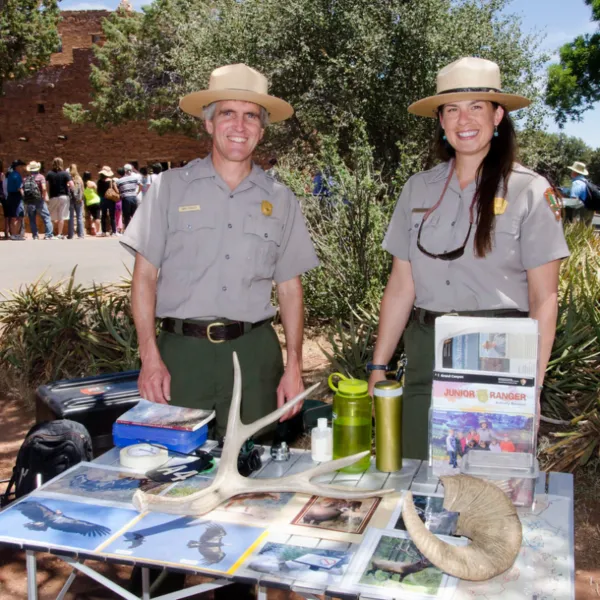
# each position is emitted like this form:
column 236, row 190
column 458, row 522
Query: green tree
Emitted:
column 336, row 62
column 28, row 37
column 574, row 83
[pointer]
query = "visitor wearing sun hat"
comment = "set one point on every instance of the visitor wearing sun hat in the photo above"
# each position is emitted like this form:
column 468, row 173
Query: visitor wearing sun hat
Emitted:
column 220, row 230
column 37, row 204
column 575, row 208
column 477, row 235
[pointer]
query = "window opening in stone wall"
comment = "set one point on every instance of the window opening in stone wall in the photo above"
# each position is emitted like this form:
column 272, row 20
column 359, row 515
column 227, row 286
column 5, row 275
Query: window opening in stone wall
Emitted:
column 96, row 38
column 41, row 108
column 59, row 48
column 134, row 163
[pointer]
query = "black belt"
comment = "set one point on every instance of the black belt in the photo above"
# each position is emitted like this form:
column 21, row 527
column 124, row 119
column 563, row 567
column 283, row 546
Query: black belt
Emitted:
column 428, row 317
column 214, row 331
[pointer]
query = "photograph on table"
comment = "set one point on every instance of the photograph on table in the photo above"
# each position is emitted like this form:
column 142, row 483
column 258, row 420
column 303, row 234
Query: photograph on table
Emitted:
column 102, row 484
column 52, row 523
column 431, row 511
column 453, row 434
column 388, row 564
column 347, row 516
column 310, row 565
column 187, row 541
column 263, row 506
column 189, row 486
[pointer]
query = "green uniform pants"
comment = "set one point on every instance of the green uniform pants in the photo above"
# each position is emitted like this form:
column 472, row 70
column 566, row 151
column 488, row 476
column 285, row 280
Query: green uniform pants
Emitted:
column 202, row 373
column 419, row 344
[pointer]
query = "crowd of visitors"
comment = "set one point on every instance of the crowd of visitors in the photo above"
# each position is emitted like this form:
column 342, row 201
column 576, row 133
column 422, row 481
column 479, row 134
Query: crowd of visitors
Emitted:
column 106, row 204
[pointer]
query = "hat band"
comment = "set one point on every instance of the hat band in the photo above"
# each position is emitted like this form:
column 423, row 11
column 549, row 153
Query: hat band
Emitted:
column 471, row 89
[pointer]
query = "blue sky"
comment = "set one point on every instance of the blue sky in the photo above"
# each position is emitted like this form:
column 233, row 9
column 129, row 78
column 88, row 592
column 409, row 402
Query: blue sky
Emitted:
column 558, row 20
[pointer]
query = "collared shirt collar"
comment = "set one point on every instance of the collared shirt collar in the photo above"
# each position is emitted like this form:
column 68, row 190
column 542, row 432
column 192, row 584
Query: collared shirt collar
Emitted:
column 201, row 168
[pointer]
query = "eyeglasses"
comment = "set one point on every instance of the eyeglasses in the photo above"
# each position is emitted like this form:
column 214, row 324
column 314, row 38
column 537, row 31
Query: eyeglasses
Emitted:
column 457, row 252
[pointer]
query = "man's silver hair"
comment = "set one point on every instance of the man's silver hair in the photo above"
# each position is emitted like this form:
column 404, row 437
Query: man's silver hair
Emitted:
column 208, row 113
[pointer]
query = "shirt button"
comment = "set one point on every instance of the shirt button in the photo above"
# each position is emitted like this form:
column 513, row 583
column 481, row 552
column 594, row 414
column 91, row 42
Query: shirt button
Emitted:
column 224, row 288
column 231, row 195
column 447, row 282
column 189, row 226
column 227, row 256
column 229, row 225
column 266, row 235
column 453, row 223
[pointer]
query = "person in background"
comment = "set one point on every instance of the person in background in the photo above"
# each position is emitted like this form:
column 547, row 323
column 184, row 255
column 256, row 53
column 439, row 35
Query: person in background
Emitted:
column 13, row 206
column 76, row 204
column 119, row 204
column 145, row 183
column 156, row 170
column 39, row 206
column 59, row 184
column 107, row 206
column 483, row 445
column 3, row 195
column 575, row 208
column 472, row 435
column 92, row 203
column 462, row 442
column 484, row 433
column 129, row 187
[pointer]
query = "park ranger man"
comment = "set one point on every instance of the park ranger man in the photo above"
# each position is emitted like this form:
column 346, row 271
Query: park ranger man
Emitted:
column 209, row 240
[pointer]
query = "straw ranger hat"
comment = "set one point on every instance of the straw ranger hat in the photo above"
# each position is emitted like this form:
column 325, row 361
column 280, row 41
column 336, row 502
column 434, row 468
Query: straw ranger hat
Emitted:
column 237, row 82
column 468, row 78
column 580, row 168
column 34, row 167
column 106, row 171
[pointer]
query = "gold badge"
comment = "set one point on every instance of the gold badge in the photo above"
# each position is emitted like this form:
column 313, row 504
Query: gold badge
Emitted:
column 266, row 208
column 554, row 202
column 189, row 208
column 500, row 205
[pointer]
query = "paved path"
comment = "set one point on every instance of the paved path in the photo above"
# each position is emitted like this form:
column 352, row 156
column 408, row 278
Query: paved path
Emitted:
column 98, row 259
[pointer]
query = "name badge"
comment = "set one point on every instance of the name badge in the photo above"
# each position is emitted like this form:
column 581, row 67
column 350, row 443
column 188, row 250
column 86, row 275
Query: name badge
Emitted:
column 500, row 205
column 419, row 210
column 189, row 208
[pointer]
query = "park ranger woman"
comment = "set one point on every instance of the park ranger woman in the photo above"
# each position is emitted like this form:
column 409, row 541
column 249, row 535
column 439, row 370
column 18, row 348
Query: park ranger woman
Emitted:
column 478, row 235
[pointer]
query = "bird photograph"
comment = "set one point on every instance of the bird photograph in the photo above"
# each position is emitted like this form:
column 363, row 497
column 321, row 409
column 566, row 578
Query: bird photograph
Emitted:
column 210, row 544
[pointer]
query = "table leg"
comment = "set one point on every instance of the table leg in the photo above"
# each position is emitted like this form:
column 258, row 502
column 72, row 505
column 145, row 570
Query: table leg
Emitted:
column 145, row 583
column 262, row 593
column 31, row 564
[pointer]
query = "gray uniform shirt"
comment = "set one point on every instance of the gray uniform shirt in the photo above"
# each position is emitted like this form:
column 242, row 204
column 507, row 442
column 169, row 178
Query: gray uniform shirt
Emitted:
column 526, row 235
column 219, row 250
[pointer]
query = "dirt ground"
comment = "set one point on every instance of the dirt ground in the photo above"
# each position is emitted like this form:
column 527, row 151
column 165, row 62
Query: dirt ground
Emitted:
column 17, row 419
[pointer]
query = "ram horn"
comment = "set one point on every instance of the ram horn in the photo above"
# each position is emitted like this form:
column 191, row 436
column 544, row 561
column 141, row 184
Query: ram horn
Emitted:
column 487, row 517
column 228, row 482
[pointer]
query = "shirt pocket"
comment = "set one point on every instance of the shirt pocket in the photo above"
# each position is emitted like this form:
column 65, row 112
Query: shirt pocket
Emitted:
column 196, row 239
column 264, row 236
column 416, row 218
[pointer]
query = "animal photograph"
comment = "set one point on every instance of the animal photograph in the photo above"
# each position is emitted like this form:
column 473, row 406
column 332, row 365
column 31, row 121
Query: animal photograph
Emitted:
column 187, row 541
column 347, row 516
column 101, row 483
column 191, row 485
column 431, row 511
column 50, row 522
column 397, row 564
column 289, row 561
column 263, row 506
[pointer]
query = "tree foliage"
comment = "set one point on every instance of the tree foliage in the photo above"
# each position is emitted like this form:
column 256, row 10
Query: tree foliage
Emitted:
column 336, row 61
column 28, row 37
column 574, row 83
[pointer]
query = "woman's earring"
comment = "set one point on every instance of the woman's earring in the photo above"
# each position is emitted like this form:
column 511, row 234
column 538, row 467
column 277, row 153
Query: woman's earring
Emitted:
column 496, row 131
column 444, row 136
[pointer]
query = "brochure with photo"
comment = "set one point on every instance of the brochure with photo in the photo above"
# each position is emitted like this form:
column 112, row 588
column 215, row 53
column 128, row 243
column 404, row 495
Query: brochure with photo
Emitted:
column 430, row 508
column 165, row 416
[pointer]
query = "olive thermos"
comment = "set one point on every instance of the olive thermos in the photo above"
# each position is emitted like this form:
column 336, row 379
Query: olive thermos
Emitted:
column 387, row 396
column 351, row 421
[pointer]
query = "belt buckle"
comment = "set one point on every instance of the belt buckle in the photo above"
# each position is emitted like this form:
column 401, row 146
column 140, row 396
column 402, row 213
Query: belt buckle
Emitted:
column 208, row 328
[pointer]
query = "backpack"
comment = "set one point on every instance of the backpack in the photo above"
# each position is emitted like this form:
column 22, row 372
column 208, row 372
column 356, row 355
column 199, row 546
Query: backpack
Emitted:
column 592, row 198
column 76, row 194
column 49, row 448
column 31, row 190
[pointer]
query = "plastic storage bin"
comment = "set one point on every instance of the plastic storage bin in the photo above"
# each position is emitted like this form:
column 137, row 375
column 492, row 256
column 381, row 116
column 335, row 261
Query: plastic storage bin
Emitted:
column 173, row 439
column 95, row 402
column 515, row 473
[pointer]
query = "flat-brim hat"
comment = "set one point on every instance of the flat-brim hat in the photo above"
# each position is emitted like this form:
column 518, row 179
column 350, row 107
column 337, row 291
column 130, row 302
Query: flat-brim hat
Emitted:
column 580, row 168
column 468, row 78
column 34, row 167
column 106, row 171
column 237, row 82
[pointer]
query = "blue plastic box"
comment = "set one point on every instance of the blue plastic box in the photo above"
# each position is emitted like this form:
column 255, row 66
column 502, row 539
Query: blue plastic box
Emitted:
column 173, row 439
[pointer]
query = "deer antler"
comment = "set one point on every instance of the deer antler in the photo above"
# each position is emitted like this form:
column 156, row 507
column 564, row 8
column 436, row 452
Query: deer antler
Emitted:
column 228, row 482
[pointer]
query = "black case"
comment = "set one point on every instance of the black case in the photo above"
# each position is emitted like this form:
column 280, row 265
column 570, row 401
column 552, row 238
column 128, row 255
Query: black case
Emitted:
column 95, row 402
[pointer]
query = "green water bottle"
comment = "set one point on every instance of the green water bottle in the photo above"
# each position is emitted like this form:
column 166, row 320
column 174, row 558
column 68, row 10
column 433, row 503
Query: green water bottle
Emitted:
column 351, row 420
